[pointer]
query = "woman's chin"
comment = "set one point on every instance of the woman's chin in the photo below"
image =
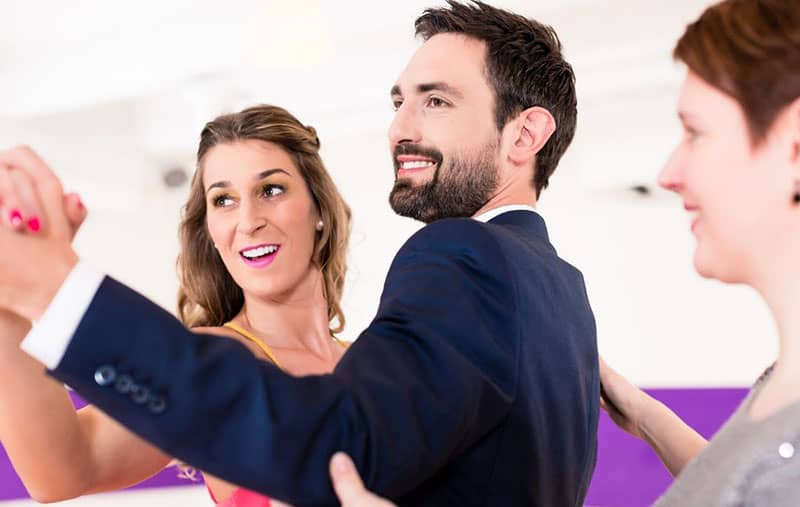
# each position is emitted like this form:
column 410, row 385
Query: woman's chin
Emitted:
column 713, row 269
column 703, row 265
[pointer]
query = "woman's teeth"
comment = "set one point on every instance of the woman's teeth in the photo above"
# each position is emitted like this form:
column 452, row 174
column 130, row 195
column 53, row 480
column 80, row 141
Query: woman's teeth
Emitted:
column 255, row 253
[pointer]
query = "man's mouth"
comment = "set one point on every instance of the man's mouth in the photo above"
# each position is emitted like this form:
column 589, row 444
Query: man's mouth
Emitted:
column 409, row 164
column 412, row 158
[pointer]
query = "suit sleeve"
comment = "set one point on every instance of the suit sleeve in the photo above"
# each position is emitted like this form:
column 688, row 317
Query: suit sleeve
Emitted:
column 432, row 374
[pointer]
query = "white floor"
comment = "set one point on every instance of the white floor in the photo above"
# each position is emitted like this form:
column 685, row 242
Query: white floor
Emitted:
column 185, row 496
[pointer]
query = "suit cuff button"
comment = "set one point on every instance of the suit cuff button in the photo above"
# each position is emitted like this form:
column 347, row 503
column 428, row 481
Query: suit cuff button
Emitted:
column 124, row 384
column 140, row 394
column 105, row 375
column 157, row 405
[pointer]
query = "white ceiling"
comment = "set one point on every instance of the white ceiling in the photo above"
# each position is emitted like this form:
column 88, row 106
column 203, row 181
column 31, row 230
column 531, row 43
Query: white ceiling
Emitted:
column 61, row 56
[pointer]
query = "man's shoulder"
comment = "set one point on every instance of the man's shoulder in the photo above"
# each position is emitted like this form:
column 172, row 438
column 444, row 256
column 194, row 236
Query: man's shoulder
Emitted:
column 459, row 242
column 453, row 232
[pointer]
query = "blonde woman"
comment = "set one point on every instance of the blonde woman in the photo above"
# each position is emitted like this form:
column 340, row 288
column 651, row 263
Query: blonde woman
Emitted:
column 260, row 197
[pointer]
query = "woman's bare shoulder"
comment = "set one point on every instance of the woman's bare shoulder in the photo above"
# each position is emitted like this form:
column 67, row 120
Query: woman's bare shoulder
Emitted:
column 217, row 330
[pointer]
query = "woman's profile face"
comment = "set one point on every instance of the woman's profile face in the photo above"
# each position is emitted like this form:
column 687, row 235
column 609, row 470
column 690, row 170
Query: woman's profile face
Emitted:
column 261, row 217
column 738, row 195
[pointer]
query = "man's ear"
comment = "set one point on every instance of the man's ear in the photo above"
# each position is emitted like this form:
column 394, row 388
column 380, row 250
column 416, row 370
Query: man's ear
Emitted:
column 531, row 130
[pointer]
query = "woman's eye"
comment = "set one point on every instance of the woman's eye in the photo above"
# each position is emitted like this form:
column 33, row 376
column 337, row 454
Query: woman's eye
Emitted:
column 273, row 190
column 222, row 201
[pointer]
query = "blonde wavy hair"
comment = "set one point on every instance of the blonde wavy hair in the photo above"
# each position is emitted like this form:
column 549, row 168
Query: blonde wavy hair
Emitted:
column 208, row 295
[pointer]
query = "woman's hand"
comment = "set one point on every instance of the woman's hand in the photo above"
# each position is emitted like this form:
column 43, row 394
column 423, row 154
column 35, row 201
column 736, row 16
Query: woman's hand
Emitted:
column 37, row 224
column 349, row 487
column 623, row 401
column 20, row 206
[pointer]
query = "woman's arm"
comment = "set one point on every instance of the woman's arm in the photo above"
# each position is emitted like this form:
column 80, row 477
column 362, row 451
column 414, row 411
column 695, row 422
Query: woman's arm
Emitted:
column 57, row 452
column 641, row 415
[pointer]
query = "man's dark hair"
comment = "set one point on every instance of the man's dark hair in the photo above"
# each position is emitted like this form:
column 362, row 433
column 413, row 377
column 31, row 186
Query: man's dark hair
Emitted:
column 524, row 66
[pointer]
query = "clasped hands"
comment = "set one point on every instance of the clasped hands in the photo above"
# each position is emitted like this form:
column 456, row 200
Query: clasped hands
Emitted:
column 37, row 223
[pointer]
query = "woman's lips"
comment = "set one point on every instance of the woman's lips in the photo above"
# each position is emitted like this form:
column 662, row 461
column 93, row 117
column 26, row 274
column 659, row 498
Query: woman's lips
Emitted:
column 259, row 256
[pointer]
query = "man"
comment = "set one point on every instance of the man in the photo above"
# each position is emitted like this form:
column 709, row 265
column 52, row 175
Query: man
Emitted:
column 475, row 384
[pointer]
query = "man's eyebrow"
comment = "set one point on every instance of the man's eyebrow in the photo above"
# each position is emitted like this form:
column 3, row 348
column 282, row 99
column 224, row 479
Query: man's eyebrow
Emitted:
column 429, row 87
column 439, row 86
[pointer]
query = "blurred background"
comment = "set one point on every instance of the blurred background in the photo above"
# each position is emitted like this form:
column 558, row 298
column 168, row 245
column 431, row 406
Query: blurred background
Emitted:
column 114, row 95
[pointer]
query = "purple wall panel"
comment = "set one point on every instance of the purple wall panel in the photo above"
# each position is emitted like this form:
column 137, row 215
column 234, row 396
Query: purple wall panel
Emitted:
column 628, row 473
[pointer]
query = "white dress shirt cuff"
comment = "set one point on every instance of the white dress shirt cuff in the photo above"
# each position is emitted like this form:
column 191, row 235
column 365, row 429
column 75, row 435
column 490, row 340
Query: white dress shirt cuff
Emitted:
column 50, row 336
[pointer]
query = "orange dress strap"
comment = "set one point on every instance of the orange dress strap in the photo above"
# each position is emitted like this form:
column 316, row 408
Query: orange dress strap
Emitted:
column 264, row 347
column 345, row 345
column 250, row 336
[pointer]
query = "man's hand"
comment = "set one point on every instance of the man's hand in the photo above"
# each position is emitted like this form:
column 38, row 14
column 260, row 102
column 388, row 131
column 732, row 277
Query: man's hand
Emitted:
column 349, row 486
column 37, row 224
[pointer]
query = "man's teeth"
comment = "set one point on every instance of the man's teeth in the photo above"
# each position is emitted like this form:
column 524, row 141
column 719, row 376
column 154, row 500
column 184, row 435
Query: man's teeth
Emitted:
column 260, row 252
column 416, row 164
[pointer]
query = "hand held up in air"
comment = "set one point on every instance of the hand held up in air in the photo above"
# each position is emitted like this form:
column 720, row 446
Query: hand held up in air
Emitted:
column 37, row 224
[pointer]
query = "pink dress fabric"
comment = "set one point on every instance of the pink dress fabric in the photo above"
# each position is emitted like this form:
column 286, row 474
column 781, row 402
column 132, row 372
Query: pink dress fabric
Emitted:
column 243, row 498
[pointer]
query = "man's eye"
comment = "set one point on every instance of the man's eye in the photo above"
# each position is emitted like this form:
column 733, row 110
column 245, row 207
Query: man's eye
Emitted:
column 396, row 104
column 436, row 102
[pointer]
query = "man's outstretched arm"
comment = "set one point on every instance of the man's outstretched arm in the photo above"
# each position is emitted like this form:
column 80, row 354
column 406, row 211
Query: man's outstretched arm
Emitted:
column 433, row 373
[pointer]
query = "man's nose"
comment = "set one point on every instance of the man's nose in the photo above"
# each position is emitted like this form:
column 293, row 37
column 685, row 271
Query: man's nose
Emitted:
column 405, row 127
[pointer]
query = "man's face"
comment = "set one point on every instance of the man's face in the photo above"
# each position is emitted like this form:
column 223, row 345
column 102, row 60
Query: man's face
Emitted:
column 443, row 138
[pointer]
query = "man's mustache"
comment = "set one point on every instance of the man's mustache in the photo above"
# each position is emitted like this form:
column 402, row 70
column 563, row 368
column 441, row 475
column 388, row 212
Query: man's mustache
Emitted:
column 418, row 150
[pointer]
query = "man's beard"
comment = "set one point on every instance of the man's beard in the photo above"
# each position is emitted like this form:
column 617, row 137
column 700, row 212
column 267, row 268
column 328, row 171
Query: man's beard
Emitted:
column 459, row 189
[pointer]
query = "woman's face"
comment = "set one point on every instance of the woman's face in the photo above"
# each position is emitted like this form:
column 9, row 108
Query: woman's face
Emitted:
column 262, row 219
column 738, row 196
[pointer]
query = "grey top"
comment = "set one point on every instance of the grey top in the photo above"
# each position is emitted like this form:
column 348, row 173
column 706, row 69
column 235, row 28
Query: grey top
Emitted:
column 747, row 463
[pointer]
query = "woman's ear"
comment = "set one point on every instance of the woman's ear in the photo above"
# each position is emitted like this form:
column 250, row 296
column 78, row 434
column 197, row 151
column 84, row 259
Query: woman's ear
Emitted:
column 793, row 133
column 791, row 117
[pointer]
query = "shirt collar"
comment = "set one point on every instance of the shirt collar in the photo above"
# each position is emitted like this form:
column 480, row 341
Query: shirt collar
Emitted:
column 492, row 213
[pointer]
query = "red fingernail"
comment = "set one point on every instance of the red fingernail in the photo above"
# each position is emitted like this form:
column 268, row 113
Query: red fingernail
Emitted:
column 80, row 203
column 16, row 218
column 34, row 225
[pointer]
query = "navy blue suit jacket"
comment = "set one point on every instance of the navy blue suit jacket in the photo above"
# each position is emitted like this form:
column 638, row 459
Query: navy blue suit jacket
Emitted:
column 475, row 385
